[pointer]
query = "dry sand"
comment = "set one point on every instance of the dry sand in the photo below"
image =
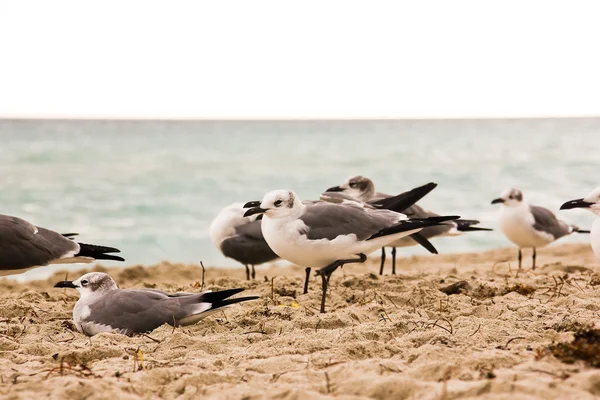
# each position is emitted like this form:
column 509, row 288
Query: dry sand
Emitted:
column 384, row 337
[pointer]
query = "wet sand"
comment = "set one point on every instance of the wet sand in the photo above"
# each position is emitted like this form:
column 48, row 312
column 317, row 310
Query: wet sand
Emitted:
column 383, row 337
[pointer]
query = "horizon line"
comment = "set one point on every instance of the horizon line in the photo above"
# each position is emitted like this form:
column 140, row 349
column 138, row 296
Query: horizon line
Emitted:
column 285, row 119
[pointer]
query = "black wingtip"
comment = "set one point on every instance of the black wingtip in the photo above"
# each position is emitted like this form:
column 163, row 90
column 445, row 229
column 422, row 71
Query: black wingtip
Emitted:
column 467, row 225
column 412, row 224
column 98, row 252
column 402, row 201
column 221, row 298
column 420, row 239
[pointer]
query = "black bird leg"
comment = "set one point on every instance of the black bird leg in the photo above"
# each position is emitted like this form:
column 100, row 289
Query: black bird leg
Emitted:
column 253, row 272
column 393, row 261
column 247, row 272
column 533, row 256
column 328, row 270
column 382, row 260
column 306, row 280
column 520, row 258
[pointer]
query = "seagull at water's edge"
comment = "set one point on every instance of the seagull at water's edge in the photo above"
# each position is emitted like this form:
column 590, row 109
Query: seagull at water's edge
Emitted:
column 590, row 202
column 326, row 235
column 530, row 226
column 24, row 246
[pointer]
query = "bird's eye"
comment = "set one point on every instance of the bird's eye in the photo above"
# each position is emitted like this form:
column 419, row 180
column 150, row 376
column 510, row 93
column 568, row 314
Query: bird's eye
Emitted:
column 277, row 202
column 511, row 197
column 84, row 282
column 352, row 184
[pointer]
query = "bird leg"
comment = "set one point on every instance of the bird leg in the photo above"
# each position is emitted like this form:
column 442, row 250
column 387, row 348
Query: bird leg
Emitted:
column 393, row 261
column 520, row 258
column 533, row 256
column 247, row 272
column 253, row 272
column 306, row 280
column 382, row 260
column 326, row 272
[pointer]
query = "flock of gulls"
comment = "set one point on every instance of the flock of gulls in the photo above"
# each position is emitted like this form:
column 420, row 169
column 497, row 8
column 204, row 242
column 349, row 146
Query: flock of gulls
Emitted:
column 347, row 223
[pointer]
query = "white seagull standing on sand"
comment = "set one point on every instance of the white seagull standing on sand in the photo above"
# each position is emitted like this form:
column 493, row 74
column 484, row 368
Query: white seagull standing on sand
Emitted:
column 590, row 202
column 240, row 238
column 394, row 203
column 24, row 246
column 103, row 307
column 529, row 226
column 363, row 189
column 326, row 235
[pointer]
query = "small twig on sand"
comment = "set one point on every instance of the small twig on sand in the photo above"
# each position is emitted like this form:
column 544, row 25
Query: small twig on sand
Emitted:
column 328, row 384
column 66, row 279
column 387, row 315
column 510, row 340
column 203, row 271
column 273, row 289
column 151, row 338
column 387, row 297
column 476, row 330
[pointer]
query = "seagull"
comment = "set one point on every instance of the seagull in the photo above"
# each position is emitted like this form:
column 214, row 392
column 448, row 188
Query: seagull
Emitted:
column 327, row 236
column 395, row 203
column 103, row 307
column 363, row 188
column 24, row 246
column 530, row 226
column 590, row 202
column 240, row 238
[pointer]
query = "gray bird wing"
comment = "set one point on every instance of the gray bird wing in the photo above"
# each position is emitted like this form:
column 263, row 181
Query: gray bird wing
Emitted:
column 136, row 311
column 341, row 197
column 23, row 245
column 248, row 246
column 546, row 221
column 328, row 221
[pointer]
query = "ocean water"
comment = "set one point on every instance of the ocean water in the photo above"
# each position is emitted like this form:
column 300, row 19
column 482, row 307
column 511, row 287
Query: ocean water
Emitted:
column 151, row 188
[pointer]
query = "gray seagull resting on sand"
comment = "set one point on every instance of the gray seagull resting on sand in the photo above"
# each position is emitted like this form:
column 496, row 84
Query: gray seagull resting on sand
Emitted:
column 103, row 307
column 395, row 203
column 363, row 189
column 24, row 246
column 326, row 235
column 590, row 202
column 530, row 226
column 240, row 238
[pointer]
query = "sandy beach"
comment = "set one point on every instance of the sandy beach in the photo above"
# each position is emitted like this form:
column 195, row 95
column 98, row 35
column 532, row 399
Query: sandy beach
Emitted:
column 495, row 336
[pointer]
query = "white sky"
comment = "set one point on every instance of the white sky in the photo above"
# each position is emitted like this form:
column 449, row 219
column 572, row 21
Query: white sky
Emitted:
column 306, row 59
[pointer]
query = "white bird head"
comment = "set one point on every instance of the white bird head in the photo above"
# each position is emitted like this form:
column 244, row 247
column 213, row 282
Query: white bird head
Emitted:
column 510, row 198
column 357, row 186
column 590, row 202
column 277, row 204
column 90, row 284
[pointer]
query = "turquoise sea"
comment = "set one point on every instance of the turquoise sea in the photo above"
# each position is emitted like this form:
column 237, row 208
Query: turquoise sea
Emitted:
column 151, row 188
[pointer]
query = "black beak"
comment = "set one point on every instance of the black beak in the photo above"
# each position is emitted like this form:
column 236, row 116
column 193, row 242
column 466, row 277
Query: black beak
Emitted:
column 251, row 204
column 577, row 203
column 335, row 189
column 255, row 210
column 496, row 201
column 66, row 284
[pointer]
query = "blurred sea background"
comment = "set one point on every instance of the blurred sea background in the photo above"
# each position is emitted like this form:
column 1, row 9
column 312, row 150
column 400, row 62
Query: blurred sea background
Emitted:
column 152, row 188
